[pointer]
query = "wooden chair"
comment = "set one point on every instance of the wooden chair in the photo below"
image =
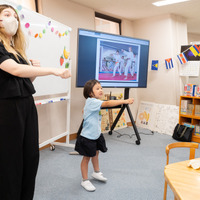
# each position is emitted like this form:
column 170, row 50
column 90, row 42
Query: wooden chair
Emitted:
column 190, row 145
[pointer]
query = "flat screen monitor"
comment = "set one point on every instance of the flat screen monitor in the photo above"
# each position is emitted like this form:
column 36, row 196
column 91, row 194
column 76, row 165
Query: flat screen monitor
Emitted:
column 114, row 60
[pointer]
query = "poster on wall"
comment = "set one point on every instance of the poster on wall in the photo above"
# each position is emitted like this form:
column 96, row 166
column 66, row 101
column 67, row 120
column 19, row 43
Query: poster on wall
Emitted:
column 109, row 115
column 146, row 115
column 161, row 118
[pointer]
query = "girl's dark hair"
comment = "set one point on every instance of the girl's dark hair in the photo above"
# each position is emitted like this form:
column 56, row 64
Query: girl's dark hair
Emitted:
column 88, row 87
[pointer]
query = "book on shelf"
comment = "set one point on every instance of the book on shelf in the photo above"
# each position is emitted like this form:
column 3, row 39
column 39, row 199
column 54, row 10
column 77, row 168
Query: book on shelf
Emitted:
column 190, row 108
column 184, row 105
column 197, row 110
column 188, row 125
column 197, row 130
column 197, row 91
column 189, row 90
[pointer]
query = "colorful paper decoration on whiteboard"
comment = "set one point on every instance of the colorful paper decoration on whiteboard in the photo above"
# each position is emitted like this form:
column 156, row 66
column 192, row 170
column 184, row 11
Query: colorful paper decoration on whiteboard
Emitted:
column 43, row 31
column 61, row 60
column 169, row 63
column 154, row 65
column 64, row 56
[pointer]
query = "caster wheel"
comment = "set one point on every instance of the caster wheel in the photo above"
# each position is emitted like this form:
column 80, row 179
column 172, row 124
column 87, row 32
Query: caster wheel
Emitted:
column 52, row 147
column 137, row 142
column 110, row 132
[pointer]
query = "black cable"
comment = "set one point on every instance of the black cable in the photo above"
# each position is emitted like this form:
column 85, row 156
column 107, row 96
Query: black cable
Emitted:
column 120, row 134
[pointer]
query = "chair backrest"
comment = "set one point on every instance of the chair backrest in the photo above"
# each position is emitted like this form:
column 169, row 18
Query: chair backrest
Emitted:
column 190, row 145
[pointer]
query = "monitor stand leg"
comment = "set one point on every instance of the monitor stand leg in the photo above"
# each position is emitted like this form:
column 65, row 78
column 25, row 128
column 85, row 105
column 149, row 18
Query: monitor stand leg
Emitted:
column 126, row 96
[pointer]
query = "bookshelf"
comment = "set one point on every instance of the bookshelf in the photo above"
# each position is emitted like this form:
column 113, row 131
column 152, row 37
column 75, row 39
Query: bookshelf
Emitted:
column 192, row 117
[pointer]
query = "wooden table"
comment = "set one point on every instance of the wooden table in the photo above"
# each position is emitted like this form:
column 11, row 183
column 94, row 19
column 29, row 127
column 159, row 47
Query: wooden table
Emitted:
column 183, row 181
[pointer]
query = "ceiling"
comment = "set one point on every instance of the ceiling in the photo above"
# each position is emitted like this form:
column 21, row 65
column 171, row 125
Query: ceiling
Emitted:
column 137, row 9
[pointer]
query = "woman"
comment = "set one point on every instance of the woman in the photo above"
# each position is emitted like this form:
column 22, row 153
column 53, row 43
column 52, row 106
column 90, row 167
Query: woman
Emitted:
column 19, row 150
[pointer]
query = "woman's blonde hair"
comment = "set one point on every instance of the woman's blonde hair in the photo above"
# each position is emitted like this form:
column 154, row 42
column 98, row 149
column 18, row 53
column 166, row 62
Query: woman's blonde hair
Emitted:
column 19, row 41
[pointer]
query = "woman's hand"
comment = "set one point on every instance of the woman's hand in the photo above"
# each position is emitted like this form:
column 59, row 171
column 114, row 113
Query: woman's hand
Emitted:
column 63, row 73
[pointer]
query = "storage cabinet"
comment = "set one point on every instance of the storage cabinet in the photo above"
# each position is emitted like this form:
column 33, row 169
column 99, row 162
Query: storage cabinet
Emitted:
column 190, row 117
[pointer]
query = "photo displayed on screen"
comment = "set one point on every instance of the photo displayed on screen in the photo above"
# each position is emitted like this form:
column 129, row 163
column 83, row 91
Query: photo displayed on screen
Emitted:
column 114, row 60
column 117, row 61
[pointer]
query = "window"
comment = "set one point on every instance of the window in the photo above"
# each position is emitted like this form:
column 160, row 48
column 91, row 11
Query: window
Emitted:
column 107, row 24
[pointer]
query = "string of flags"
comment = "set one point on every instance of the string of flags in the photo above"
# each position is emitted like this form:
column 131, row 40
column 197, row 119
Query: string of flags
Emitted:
column 194, row 51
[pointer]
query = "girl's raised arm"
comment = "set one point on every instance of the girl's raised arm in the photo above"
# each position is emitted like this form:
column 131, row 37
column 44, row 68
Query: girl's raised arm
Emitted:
column 112, row 103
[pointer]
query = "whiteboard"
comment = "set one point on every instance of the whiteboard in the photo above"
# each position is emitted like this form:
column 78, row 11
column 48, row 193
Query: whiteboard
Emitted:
column 46, row 39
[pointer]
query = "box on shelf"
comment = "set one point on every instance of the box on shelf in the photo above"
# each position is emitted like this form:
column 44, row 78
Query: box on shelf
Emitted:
column 197, row 91
column 184, row 105
column 197, row 110
column 189, row 90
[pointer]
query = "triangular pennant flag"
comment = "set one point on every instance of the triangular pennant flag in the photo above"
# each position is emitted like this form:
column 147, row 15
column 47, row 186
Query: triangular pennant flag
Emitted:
column 182, row 58
column 169, row 63
column 154, row 65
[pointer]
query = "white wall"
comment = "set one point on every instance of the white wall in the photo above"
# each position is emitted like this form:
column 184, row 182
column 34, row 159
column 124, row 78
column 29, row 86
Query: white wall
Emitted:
column 165, row 34
column 193, row 37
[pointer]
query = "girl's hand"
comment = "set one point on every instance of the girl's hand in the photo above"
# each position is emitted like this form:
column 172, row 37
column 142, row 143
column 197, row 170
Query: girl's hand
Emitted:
column 35, row 63
column 130, row 100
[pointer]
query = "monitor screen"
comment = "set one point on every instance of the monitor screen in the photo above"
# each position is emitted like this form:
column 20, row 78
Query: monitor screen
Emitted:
column 114, row 60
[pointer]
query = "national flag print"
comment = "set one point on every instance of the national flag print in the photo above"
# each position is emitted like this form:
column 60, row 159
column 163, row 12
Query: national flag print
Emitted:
column 182, row 58
column 198, row 47
column 195, row 50
column 169, row 63
column 154, row 65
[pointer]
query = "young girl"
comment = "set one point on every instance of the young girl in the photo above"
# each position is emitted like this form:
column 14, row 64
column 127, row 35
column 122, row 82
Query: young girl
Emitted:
column 19, row 149
column 91, row 140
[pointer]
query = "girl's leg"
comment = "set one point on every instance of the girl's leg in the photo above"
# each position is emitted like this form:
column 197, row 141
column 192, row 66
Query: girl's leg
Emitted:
column 97, row 174
column 84, row 170
column 95, row 162
column 84, row 167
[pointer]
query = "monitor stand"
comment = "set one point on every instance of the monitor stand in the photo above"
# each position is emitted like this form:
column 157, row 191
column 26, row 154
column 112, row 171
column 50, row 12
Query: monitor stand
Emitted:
column 126, row 96
column 122, row 108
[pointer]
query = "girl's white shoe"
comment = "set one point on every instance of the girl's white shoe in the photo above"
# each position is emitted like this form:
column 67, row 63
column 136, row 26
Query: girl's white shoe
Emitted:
column 99, row 176
column 88, row 186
